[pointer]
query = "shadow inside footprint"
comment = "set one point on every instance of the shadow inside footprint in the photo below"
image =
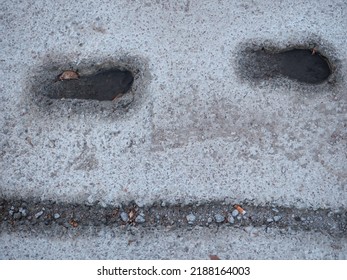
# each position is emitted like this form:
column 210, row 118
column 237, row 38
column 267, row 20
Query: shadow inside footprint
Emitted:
column 102, row 86
column 302, row 65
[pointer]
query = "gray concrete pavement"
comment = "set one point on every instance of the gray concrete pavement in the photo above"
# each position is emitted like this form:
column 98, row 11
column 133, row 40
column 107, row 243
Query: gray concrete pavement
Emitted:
column 197, row 243
column 198, row 130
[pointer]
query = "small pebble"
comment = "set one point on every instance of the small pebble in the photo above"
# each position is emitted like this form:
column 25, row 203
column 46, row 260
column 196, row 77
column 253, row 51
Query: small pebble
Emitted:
column 269, row 220
column 56, row 216
column 209, row 220
column 10, row 212
column 231, row 219
column 234, row 213
column 275, row 210
column 140, row 219
column 38, row 214
column 277, row 218
column 23, row 211
column 219, row 218
column 124, row 216
column 17, row 216
column 191, row 218
column 163, row 204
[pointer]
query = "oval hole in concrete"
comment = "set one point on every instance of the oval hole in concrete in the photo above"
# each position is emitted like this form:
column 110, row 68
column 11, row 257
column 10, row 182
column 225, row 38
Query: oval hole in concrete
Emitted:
column 105, row 85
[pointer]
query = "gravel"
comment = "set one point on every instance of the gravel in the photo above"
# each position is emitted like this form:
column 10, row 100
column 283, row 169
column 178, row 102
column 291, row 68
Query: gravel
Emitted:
column 56, row 216
column 23, row 211
column 231, row 219
column 191, row 218
column 140, row 219
column 235, row 213
column 277, row 218
column 219, row 218
column 17, row 216
column 77, row 216
column 38, row 214
column 124, row 216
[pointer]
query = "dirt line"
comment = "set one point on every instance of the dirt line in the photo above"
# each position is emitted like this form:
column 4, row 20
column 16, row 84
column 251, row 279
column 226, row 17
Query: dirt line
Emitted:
column 44, row 216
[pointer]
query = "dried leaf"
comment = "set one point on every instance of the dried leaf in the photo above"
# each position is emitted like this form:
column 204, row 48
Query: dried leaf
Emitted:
column 68, row 75
column 73, row 223
column 214, row 257
column 132, row 214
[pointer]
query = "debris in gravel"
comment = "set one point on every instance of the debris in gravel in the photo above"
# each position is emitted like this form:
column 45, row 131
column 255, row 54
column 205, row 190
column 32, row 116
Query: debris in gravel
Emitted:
column 231, row 219
column 234, row 213
column 31, row 216
column 240, row 209
column 219, row 218
column 73, row 223
column 124, row 216
column 140, row 219
column 191, row 218
column 17, row 216
column 23, row 211
column 38, row 214
column 277, row 218
column 56, row 216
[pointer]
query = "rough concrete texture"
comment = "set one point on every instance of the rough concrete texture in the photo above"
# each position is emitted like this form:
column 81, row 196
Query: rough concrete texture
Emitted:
column 197, row 243
column 198, row 129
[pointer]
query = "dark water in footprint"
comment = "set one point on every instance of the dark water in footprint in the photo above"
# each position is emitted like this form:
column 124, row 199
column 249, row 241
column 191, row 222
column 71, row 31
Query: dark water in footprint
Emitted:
column 303, row 66
column 102, row 86
column 297, row 64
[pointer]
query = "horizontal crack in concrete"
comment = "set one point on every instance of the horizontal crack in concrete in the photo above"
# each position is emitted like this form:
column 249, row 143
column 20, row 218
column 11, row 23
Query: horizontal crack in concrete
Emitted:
column 48, row 216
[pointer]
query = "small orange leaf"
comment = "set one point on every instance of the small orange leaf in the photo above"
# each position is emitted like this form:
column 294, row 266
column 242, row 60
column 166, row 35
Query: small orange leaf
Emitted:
column 214, row 257
column 73, row 223
column 68, row 75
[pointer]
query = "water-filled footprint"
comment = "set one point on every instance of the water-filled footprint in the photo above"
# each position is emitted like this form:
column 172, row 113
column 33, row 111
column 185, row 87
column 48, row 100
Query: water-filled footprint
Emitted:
column 302, row 65
column 102, row 86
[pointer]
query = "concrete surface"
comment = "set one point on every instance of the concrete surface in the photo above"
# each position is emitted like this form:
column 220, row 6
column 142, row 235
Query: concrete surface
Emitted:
column 198, row 130
column 183, row 244
column 115, row 244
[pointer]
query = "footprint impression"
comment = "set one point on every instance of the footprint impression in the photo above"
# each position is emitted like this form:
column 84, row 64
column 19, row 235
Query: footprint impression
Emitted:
column 303, row 65
column 106, row 85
